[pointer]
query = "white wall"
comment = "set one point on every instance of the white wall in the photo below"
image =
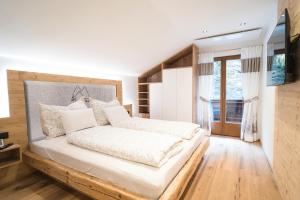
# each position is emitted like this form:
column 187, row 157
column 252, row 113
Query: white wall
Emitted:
column 129, row 82
column 266, row 118
column 128, row 36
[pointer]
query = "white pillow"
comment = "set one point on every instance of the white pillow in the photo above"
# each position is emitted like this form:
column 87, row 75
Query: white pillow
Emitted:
column 116, row 114
column 98, row 107
column 51, row 119
column 75, row 120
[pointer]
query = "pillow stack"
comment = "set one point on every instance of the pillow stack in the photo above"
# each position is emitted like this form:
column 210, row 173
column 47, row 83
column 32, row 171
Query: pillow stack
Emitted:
column 52, row 124
column 59, row 120
column 98, row 107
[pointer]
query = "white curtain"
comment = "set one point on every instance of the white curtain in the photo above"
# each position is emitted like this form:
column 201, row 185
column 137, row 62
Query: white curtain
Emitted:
column 205, row 72
column 251, row 63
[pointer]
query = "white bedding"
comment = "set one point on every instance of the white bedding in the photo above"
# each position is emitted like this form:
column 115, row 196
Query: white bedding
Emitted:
column 185, row 130
column 138, row 178
column 128, row 144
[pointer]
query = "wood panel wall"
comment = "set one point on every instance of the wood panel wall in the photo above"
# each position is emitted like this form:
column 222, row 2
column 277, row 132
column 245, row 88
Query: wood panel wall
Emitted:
column 286, row 164
column 16, row 124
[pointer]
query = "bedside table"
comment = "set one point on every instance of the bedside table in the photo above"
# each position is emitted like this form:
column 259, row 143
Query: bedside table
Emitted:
column 10, row 156
column 128, row 107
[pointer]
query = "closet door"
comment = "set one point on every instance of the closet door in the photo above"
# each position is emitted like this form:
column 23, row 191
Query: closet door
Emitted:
column 169, row 94
column 184, row 94
column 155, row 99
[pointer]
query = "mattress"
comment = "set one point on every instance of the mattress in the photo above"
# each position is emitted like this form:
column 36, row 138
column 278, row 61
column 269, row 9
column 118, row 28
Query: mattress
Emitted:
column 138, row 178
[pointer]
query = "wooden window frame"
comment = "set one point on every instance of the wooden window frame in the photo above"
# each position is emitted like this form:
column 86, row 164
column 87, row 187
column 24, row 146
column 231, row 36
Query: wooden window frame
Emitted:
column 222, row 127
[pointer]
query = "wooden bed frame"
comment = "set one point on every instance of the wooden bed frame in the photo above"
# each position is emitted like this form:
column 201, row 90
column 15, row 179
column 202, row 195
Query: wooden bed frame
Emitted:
column 98, row 189
column 16, row 124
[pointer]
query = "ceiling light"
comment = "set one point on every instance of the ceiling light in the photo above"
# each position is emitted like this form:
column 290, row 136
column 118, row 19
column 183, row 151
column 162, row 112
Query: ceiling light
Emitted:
column 218, row 38
column 243, row 23
column 234, row 36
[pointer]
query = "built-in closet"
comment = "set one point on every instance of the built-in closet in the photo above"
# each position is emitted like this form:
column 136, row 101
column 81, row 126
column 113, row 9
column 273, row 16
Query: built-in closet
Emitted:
column 167, row 91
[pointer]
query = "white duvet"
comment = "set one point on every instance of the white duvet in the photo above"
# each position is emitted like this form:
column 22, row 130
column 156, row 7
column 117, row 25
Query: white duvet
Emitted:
column 152, row 149
column 184, row 130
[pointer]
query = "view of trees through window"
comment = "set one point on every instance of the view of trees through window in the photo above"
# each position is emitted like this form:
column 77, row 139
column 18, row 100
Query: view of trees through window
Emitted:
column 217, row 80
column 234, row 92
column 278, row 69
column 215, row 102
column 234, row 89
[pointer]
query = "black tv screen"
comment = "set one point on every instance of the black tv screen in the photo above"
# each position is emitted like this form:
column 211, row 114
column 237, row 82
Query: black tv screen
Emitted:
column 278, row 71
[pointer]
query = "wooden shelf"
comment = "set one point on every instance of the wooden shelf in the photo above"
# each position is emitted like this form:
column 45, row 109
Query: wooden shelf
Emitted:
column 152, row 75
column 187, row 57
column 184, row 58
column 143, row 95
column 155, row 82
column 144, row 114
column 10, row 156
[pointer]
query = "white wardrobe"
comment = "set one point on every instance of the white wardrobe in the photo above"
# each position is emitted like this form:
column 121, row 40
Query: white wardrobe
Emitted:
column 172, row 99
column 155, row 100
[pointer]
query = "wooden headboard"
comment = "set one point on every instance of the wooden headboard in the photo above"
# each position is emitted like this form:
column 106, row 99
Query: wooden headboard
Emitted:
column 16, row 124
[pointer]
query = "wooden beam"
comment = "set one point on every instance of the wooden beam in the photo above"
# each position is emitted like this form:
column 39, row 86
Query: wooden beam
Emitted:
column 179, row 183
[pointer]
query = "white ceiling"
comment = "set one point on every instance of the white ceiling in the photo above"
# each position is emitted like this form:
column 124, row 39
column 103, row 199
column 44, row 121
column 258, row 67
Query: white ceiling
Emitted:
column 118, row 36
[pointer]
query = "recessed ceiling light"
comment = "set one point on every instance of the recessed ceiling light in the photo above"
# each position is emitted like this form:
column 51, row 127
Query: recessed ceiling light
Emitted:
column 234, row 36
column 243, row 23
column 218, row 38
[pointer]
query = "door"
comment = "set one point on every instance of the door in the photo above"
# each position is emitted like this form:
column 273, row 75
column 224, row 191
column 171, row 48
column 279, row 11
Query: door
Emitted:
column 155, row 99
column 227, row 103
column 184, row 94
column 169, row 94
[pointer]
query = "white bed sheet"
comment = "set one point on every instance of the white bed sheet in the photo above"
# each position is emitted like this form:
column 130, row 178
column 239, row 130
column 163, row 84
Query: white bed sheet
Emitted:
column 141, row 179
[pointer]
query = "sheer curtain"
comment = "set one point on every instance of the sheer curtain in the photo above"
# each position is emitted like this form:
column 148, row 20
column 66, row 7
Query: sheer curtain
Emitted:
column 205, row 71
column 251, row 62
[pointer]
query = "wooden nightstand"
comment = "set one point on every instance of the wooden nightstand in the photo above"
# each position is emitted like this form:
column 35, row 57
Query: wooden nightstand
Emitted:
column 128, row 107
column 10, row 156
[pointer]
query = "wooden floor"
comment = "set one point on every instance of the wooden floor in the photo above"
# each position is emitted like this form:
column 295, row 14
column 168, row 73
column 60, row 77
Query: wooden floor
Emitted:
column 232, row 170
column 39, row 187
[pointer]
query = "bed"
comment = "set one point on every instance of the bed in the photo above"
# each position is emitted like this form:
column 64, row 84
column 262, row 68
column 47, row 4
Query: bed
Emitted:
column 98, row 175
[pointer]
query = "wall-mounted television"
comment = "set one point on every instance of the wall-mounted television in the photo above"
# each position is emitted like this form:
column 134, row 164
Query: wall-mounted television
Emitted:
column 279, row 68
